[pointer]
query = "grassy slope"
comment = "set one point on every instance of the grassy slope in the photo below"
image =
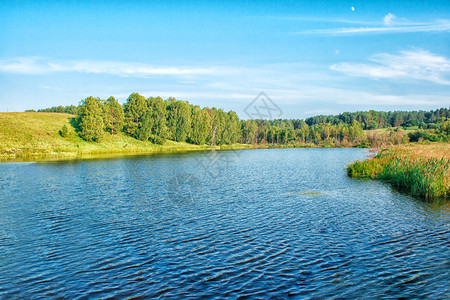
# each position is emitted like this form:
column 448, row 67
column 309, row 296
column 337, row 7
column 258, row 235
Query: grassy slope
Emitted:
column 37, row 134
column 422, row 169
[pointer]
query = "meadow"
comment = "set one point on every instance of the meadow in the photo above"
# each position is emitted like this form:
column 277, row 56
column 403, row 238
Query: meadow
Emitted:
column 29, row 135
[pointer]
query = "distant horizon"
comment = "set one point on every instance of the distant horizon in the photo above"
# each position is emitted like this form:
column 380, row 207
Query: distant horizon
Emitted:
column 245, row 117
column 310, row 58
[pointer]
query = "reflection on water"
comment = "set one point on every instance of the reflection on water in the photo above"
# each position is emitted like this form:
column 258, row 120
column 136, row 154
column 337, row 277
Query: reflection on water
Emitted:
column 269, row 223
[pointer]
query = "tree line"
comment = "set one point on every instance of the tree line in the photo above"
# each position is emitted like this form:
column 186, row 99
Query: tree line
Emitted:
column 157, row 120
column 299, row 132
column 71, row 109
column 339, row 134
column 380, row 119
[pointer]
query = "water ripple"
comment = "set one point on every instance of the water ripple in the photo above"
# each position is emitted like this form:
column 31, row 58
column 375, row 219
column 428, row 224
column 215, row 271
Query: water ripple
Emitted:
column 275, row 224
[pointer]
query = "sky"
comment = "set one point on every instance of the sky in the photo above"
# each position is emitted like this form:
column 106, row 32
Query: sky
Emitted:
column 309, row 57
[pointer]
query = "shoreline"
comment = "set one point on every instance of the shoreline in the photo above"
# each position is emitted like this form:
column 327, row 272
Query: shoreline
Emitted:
column 36, row 137
column 37, row 155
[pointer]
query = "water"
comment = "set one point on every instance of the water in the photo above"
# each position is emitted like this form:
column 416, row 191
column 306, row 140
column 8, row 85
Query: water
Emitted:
column 257, row 224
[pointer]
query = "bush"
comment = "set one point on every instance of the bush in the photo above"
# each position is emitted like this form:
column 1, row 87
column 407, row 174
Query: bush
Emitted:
column 157, row 140
column 64, row 132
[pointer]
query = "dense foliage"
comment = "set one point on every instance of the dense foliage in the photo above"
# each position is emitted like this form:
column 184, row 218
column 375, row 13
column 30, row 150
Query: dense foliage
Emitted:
column 297, row 131
column 71, row 109
column 91, row 119
column 379, row 119
column 157, row 120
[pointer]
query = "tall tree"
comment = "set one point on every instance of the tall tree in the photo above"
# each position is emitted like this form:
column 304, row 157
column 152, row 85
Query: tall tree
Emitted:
column 178, row 119
column 158, row 108
column 113, row 115
column 145, row 131
column 250, row 132
column 232, row 130
column 91, row 119
column 356, row 132
column 135, row 109
column 200, row 126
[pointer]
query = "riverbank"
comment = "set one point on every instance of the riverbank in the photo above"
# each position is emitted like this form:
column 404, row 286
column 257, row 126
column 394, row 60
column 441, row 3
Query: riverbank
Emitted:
column 420, row 169
column 30, row 136
column 35, row 136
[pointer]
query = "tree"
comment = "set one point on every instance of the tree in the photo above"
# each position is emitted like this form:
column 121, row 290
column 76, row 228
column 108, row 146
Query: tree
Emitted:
column 158, row 108
column 356, row 132
column 145, row 131
column 135, row 109
column 91, row 119
column 213, row 125
column 219, row 121
column 113, row 115
column 304, row 130
column 233, row 129
column 178, row 119
column 250, row 131
column 200, row 126
column 443, row 125
column 71, row 109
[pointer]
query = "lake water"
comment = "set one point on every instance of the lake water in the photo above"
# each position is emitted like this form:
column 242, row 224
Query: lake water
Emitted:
column 234, row 224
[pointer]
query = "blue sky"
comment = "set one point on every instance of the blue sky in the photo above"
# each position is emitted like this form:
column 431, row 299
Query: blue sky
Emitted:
column 309, row 57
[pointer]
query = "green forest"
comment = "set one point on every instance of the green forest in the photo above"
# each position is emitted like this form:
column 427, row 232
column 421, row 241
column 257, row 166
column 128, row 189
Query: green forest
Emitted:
column 157, row 120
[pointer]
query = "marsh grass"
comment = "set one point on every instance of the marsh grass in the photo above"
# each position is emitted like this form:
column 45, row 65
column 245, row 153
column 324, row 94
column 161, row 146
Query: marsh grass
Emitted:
column 422, row 170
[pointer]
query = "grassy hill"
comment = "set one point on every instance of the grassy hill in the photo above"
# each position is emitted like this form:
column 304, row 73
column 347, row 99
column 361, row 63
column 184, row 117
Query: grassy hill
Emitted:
column 34, row 135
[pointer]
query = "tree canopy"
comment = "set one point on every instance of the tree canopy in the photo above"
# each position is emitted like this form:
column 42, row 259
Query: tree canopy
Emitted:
column 156, row 120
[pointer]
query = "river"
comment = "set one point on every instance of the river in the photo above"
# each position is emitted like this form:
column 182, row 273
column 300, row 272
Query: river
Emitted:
column 233, row 224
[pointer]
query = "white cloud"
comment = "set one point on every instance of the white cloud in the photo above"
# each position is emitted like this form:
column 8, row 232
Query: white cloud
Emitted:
column 23, row 65
column 295, row 87
column 438, row 26
column 300, row 94
column 36, row 65
column 388, row 19
column 417, row 65
column 356, row 96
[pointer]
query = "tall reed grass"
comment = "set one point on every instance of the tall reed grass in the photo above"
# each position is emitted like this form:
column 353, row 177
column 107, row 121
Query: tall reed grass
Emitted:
column 421, row 176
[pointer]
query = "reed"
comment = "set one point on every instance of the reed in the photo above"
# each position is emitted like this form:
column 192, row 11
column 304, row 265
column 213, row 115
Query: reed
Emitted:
column 415, row 169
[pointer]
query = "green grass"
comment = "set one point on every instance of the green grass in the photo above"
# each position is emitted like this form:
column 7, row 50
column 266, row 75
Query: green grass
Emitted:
column 422, row 170
column 33, row 136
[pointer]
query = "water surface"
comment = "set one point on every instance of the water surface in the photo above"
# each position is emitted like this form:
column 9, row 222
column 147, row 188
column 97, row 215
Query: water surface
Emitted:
column 257, row 223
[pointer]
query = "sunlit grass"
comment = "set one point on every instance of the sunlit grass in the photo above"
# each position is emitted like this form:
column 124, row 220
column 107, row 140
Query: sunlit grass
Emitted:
column 423, row 170
column 36, row 135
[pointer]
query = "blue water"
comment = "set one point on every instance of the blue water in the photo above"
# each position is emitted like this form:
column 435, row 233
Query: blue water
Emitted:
column 235, row 224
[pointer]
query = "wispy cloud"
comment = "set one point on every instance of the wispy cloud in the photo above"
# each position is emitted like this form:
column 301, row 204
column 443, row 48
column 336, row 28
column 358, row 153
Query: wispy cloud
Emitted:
column 37, row 65
column 438, row 26
column 389, row 19
column 416, row 65
column 22, row 65
column 297, row 88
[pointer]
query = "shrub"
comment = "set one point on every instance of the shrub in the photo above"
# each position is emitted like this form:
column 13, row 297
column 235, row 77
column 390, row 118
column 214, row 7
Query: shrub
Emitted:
column 64, row 132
